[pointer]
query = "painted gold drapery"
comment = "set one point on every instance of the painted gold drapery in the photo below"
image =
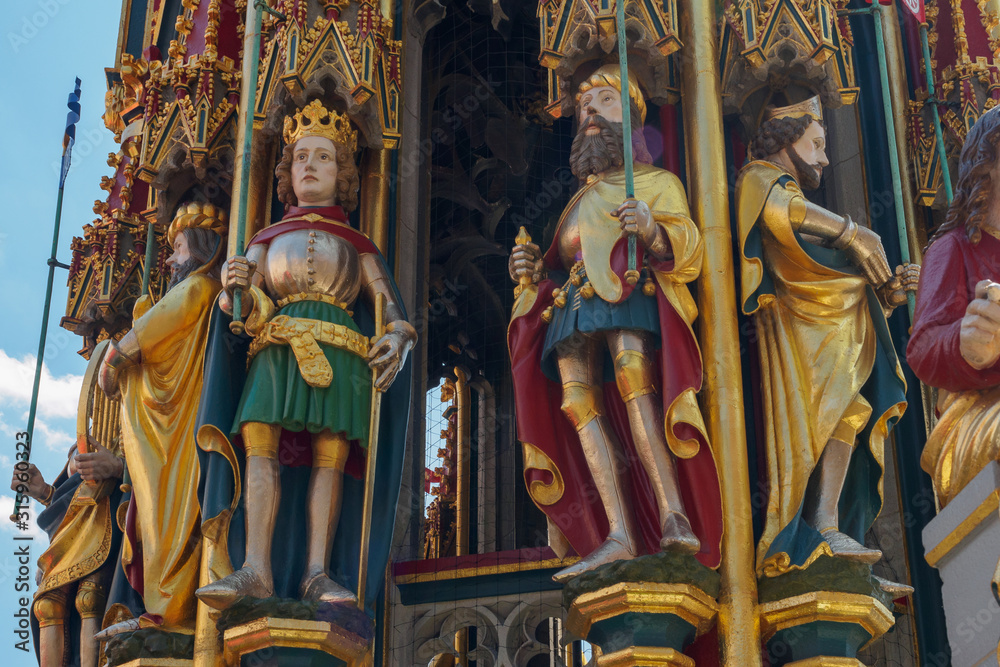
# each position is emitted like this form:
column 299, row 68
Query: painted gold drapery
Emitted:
column 159, row 405
column 817, row 350
column 966, row 438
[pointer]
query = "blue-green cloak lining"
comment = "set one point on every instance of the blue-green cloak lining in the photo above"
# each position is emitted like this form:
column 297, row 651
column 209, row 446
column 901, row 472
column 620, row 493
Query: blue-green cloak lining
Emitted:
column 860, row 501
column 225, row 374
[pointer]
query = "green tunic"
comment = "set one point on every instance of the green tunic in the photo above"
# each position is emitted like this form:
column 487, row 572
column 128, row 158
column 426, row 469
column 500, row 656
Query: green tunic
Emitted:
column 275, row 392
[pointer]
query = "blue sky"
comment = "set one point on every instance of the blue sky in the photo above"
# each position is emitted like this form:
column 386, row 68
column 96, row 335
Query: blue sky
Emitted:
column 44, row 44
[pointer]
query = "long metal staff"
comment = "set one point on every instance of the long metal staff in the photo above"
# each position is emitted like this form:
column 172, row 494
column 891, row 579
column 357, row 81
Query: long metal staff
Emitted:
column 248, row 105
column 371, row 458
column 632, row 275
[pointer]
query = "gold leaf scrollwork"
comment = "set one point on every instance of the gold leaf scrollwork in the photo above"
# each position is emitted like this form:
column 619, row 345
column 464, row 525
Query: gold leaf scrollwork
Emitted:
column 542, row 493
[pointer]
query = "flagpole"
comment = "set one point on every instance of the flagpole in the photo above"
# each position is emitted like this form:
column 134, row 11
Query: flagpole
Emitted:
column 72, row 117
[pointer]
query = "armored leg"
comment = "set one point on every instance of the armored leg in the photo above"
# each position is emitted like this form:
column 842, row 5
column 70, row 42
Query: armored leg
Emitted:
column 326, row 493
column 50, row 610
column 820, row 507
column 579, row 361
column 91, row 597
column 263, row 496
column 634, row 373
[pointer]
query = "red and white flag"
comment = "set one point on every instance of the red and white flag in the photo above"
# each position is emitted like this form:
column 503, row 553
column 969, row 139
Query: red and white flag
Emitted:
column 917, row 7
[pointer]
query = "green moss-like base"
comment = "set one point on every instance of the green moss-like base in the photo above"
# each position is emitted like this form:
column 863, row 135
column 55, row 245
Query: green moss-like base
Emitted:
column 825, row 574
column 247, row 609
column 148, row 643
column 661, row 568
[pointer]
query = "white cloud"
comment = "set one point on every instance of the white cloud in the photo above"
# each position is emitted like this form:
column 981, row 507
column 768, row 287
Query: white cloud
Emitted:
column 54, row 439
column 57, row 396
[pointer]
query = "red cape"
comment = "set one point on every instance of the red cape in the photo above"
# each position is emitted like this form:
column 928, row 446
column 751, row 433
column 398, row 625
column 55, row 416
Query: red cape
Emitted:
column 540, row 421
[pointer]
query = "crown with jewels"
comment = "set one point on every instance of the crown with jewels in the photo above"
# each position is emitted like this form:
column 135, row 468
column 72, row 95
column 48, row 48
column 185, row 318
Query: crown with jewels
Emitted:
column 315, row 120
column 811, row 107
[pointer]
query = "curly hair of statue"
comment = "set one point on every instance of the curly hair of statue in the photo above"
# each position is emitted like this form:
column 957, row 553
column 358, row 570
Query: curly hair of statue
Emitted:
column 776, row 134
column 348, row 179
column 972, row 194
column 315, row 120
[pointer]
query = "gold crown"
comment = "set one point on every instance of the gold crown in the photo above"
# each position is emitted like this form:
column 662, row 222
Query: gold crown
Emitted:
column 198, row 215
column 610, row 75
column 315, row 120
column 811, row 107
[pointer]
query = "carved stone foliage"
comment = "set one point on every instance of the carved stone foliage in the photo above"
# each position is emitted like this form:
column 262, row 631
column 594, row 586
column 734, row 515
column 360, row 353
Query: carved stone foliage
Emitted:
column 510, row 630
column 773, row 44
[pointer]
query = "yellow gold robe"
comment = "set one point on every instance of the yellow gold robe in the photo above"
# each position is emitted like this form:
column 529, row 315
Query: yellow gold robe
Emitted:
column 83, row 541
column 817, row 344
column 160, row 399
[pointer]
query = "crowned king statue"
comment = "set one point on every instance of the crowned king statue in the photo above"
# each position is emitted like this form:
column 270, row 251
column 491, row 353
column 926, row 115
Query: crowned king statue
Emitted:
column 303, row 414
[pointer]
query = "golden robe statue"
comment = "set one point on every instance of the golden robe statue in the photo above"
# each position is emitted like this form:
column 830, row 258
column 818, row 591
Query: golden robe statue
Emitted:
column 158, row 368
column 159, row 405
column 828, row 366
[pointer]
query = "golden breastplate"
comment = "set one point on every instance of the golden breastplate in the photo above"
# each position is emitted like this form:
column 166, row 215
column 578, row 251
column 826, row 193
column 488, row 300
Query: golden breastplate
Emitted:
column 570, row 249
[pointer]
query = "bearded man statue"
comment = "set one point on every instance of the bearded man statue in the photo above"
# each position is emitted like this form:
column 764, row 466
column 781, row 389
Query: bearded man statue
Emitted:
column 956, row 331
column 304, row 411
column 621, row 466
column 820, row 287
column 157, row 367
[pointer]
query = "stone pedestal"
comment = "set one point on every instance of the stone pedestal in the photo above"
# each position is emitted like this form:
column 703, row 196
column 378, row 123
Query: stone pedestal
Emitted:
column 291, row 643
column 639, row 623
column 963, row 543
column 822, row 628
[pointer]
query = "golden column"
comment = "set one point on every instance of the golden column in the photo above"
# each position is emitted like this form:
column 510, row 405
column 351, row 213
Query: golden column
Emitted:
column 375, row 197
column 701, row 95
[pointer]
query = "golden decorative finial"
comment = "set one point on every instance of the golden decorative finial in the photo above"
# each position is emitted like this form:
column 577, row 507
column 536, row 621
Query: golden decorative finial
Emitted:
column 811, row 107
column 522, row 238
column 315, row 120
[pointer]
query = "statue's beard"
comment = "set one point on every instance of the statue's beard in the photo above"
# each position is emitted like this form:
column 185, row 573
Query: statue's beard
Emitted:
column 597, row 153
column 809, row 174
column 178, row 274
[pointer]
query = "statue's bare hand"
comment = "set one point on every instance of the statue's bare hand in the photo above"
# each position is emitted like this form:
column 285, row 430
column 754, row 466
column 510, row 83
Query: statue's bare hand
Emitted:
column 389, row 352
column 29, row 481
column 99, row 465
column 238, row 275
column 979, row 337
column 526, row 260
column 635, row 218
column 906, row 280
column 868, row 255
